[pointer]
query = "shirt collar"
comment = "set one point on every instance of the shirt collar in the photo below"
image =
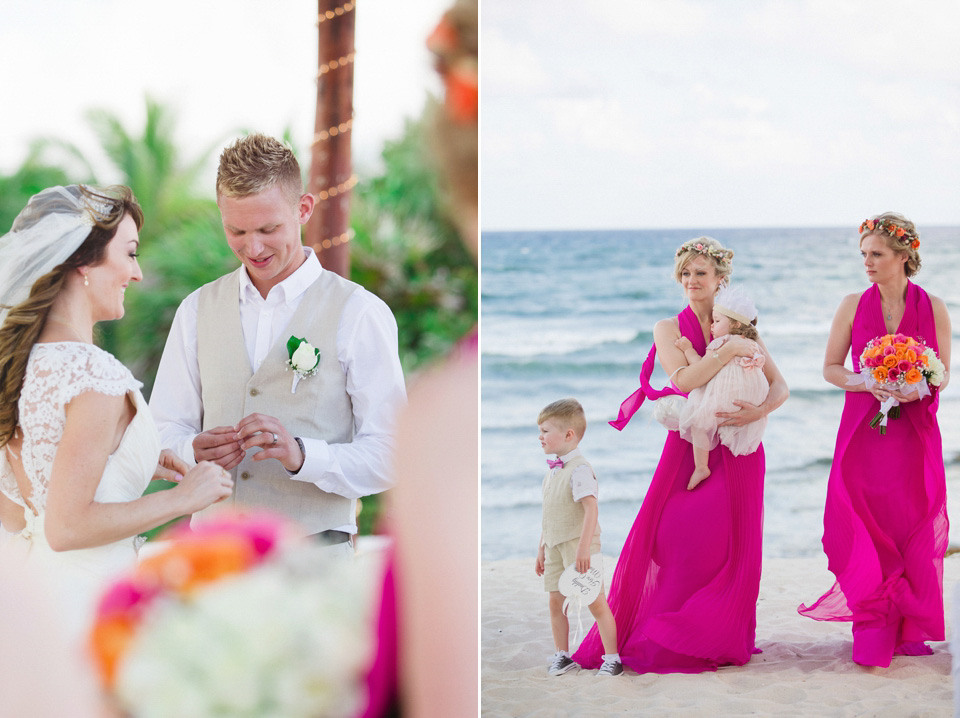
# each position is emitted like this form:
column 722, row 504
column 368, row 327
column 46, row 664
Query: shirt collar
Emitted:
column 291, row 287
column 572, row 455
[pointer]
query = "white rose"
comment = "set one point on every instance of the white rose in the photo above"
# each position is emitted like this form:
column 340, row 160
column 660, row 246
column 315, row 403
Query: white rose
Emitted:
column 935, row 367
column 305, row 358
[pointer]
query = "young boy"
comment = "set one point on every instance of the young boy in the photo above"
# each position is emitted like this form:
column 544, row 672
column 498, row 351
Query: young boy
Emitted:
column 571, row 533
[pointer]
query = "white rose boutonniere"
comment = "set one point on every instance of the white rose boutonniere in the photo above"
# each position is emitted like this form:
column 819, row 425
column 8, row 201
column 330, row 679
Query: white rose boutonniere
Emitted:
column 304, row 359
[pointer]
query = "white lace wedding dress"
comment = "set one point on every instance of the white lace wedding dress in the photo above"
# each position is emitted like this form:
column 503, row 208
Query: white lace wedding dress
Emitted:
column 56, row 373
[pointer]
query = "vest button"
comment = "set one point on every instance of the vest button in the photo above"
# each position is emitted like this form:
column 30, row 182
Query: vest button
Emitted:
column 245, row 475
column 254, row 391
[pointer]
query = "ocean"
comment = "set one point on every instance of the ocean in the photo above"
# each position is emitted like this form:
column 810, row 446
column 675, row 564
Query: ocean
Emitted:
column 571, row 314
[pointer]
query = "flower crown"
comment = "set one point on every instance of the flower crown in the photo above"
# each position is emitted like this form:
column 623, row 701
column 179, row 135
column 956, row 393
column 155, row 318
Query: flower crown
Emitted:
column 723, row 256
column 902, row 235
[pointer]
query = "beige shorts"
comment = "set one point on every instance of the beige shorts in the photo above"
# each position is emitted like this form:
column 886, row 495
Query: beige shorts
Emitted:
column 557, row 558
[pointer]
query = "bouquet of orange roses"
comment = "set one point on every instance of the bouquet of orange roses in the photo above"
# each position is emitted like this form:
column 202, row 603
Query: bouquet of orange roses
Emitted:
column 899, row 363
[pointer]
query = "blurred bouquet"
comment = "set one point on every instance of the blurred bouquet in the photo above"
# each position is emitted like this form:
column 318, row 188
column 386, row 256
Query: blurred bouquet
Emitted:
column 898, row 363
column 236, row 618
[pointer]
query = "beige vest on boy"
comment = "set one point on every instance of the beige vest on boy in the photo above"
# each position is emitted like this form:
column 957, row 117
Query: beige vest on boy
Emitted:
column 320, row 408
column 562, row 516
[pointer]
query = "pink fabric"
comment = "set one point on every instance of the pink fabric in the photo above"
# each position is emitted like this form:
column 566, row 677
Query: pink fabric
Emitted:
column 688, row 323
column 684, row 591
column 382, row 675
column 885, row 522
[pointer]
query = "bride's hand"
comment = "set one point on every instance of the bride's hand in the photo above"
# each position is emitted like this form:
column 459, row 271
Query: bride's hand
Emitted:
column 204, row 484
column 170, row 467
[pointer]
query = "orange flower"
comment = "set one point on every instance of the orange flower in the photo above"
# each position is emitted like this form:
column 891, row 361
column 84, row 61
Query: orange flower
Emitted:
column 900, row 354
column 911, row 356
column 462, row 93
column 109, row 641
column 444, row 37
column 869, row 224
column 189, row 564
column 900, row 232
column 886, row 340
column 890, row 360
column 880, row 374
column 922, row 358
column 914, row 376
column 900, row 345
column 914, row 244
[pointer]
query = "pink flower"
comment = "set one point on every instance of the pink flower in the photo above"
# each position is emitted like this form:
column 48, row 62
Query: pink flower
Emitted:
column 894, row 374
column 124, row 596
column 904, row 366
column 887, row 350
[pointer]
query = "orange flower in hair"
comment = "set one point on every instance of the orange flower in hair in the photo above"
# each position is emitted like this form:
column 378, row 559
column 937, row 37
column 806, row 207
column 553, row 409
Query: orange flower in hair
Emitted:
column 462, row 93
column 443, row 39
column 914, row 244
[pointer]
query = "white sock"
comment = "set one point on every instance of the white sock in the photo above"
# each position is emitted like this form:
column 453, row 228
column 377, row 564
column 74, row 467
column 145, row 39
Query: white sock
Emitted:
column 611, row 657
column 561, row 653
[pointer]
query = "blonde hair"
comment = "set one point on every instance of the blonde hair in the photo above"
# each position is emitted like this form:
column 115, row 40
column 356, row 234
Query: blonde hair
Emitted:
column 899, row 246
column 568, row 414
column 24, row 322
column 720, row 256
column 256, row 163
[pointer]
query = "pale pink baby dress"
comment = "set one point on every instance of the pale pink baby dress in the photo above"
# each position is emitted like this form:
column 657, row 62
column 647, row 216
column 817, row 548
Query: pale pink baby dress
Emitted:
column 741, row 379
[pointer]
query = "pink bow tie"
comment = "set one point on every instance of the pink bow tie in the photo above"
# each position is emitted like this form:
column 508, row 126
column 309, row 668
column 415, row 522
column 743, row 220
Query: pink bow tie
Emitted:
column 558, row 464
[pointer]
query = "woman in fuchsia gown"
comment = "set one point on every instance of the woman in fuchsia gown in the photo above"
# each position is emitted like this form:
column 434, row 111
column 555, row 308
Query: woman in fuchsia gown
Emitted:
column 885, row 522
column 684, row 592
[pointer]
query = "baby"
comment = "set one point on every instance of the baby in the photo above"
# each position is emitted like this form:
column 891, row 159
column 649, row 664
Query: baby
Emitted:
column 740, row 379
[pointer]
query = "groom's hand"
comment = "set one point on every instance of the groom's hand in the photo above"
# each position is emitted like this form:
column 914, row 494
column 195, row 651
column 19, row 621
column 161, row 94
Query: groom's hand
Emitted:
column 219, row 445
column 275, row 441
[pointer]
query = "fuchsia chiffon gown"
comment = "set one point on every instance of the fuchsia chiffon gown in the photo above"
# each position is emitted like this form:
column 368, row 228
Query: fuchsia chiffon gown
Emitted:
column 684, row 592
column 885, row 522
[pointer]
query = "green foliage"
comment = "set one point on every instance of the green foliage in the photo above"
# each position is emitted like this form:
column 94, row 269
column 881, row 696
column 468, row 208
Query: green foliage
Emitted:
column 408, row 252
column 31, row 177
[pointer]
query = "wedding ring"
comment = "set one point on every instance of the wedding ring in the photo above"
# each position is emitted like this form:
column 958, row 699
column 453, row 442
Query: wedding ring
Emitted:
column 275, row 438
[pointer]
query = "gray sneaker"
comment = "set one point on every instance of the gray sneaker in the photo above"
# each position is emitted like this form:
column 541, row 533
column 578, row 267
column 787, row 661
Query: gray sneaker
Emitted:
column 610, row 668
column 560, row 665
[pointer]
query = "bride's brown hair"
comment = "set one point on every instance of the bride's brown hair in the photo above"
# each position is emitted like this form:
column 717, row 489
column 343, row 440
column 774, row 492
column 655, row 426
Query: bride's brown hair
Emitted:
column 24, row 322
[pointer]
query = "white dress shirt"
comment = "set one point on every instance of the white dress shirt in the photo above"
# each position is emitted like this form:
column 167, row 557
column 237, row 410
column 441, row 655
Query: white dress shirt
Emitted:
column 366, row 350
column 583, row 482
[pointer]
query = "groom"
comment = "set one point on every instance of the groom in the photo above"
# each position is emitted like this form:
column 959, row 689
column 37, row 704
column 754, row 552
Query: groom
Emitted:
column 306, row 448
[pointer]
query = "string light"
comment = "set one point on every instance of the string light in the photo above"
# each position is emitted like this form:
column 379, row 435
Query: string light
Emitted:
column 334, row 64
column 324, row 135
column 336, row 12
column 335, row 241
column 331, row 192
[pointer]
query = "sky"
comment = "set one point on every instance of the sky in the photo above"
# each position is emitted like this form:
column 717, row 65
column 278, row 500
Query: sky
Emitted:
column 645, row 114
column 223, row 66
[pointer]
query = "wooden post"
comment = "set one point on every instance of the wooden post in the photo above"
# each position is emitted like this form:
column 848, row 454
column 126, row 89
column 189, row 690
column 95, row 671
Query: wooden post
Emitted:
column 331, row 166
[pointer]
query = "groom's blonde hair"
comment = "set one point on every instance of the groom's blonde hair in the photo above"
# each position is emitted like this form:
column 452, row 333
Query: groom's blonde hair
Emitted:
column 567, row 414
column 256, row 163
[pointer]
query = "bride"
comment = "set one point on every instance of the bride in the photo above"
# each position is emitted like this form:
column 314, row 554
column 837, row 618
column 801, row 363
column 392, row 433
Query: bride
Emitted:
column 77, row 443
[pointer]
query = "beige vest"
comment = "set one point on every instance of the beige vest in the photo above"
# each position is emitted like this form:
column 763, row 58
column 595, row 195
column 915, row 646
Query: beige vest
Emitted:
column 320, row 408
column 562, row 516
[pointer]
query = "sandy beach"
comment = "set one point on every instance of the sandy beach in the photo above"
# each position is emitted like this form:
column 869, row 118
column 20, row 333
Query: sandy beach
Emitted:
column 805, row 668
